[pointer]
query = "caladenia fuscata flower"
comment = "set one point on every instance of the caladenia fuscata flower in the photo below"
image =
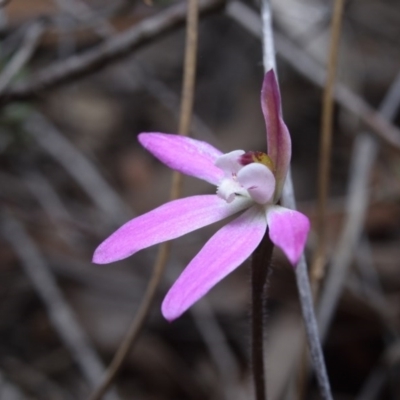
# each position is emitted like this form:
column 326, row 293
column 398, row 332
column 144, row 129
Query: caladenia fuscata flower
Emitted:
column 249, row 184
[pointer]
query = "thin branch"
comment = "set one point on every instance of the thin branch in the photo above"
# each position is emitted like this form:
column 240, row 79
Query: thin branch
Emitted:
column 82, row 12
column 60, row 314
column 46, row 195
column 189, row 77
column 365, row 266
column 310, row 69
column 137, row 73
column 317, row 270
column 305, row 65
column 373, row 385
column 260, row 267
column 318, row 265
column 51, row 203
column 346, row 98
column 116, row 284
column 9, row 390
column 3, row 3
column 107, row 52
column 213, row 336
column 391, row 355
column 136, row 325
column 22, row 55
column 376, row 303
column 32, row 380
column 218, row 346
column 78, row 166
column 288, row 200
column 163, row 254
column 364, row 155
column 170, row 100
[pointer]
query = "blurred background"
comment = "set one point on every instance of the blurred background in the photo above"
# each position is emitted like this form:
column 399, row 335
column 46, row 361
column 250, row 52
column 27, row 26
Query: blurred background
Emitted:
column 72, row 171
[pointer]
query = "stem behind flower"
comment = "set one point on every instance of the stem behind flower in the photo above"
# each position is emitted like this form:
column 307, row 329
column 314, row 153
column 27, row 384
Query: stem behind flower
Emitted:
column 259, row 271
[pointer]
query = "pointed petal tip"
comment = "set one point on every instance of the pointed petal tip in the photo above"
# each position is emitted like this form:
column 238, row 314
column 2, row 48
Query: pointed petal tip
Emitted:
column 101, row 256
column 278, row 137
column 144, row 137
column 288, row 229
column 169, row 310
column 189, row 156
column 222, row 254
column 270, row 72
column 270, row 82
column 293, row 259
column 295, row 253
column 97, row 256
column 169, row 318
column 96, row 259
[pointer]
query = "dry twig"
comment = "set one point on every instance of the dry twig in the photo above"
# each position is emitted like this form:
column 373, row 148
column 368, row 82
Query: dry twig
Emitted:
column 78, row 166
column 364, row 156
column 22, row 55
column 288, row 200
column 135, row 72
column 305, row 65
column 3, row 3
column 317, row 270
column 33, row 380
column 163, row 253
column 9, row 391
column 60, row 314
column 105, row 53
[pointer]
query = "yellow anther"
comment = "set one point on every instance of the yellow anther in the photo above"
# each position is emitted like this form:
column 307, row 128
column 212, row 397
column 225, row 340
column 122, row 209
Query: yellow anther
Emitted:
column 262, row 158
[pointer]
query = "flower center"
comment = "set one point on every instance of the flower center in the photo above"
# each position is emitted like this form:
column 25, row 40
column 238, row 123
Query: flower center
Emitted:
column 257, row 157
column 248, row 174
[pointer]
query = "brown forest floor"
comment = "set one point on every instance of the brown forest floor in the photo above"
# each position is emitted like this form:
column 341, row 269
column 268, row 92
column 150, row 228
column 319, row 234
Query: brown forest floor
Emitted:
column 71, row 171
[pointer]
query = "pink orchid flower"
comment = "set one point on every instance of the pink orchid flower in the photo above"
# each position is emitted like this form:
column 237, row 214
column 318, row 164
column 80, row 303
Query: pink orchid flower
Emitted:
column 248, row 184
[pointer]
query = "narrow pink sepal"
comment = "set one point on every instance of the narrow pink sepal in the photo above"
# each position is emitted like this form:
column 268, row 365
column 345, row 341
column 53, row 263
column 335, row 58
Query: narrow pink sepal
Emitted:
column 189, row 156
column 166, row 222
column 259, row 182
column 278, row 137
column 288, row 229
column 224, row 252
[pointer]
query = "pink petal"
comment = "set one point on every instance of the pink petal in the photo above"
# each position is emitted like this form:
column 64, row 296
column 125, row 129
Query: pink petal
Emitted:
column 278, row 137
column 288, row 229
column 259, row 182
column 169, row 221
column 189, row 156
column 224, row 252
